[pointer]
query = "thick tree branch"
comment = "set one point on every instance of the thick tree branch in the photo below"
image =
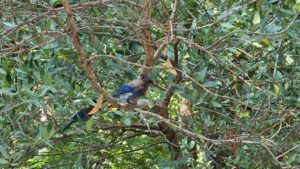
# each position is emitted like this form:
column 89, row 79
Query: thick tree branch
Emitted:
column 75, row 40
column 146, row 37
column 124, row 127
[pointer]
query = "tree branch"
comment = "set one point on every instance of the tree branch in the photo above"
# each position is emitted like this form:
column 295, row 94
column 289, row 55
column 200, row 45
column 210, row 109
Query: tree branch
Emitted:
column 146, row 37
column 86, row 65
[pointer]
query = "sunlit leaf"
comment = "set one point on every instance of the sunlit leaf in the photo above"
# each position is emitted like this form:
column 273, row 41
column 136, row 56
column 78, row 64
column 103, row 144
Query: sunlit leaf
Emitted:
column 296, row 7
column 89, row 124
column 256, row 44
column 256, row 18
column 289, row 60
column 265, row 41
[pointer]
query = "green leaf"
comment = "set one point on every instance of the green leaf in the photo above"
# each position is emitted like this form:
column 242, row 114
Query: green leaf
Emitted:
column 89, row 124
column 296, row 7
column 266, row 41
column 210, row 84
column 294, row 34
column 43, row 133
column 127, row 121
column 50, row 130
column 192, row 144
column 186, row 70
column 35, row 102
column 289, row 60
column 2, row 161
column 202, row 74
column 117, row 112
column 227, row 25
column 233, row 50
column 215, row 104
column 259, row 3
column 178, row 87
column 186, row 96
column 46, row 89
column 256, row 19
column 9, row 24
column 3, row 151
column 8, row 92
column 46, row 76
column 278, row 75
column 271, row 28
column 78, row 162
column 249, row 95
column 256, row 44
column 2, row 71
column 277, row 90
column 21, row 71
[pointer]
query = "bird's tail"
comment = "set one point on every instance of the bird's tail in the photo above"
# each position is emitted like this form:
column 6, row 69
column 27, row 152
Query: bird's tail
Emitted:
column 67, row 126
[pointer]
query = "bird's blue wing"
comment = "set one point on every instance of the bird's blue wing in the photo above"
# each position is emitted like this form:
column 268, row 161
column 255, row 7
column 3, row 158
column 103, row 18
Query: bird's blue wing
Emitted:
column 122, row 90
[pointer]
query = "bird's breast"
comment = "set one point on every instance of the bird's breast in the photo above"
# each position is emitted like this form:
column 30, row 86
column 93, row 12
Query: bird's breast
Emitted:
column 125, row 96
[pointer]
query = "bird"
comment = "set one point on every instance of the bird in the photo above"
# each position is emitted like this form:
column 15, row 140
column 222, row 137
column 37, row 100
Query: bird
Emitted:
column 133, row 90
column 130, row 92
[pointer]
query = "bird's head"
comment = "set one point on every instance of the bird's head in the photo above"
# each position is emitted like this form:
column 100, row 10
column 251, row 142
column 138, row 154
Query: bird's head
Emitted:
column 147, row 80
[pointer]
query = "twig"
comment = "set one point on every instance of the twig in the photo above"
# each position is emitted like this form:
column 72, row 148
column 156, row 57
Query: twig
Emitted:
column 283, row 154
column 176, row 127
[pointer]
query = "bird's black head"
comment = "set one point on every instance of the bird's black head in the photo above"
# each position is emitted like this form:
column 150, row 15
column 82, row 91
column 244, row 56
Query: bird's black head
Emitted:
column 147, row 80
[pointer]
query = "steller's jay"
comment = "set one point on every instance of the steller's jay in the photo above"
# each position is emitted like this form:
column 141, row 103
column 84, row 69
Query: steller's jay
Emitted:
column 130, row 92
column 133, row 90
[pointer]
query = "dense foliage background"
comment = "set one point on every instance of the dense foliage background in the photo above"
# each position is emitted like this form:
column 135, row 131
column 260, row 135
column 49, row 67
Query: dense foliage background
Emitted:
column 233, row 64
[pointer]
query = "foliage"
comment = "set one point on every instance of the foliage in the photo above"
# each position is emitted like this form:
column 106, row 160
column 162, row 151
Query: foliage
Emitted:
column 240, row 65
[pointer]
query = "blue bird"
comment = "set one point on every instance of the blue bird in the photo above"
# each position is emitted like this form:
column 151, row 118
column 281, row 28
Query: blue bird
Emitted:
column 133, row 90
column 129, row 92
